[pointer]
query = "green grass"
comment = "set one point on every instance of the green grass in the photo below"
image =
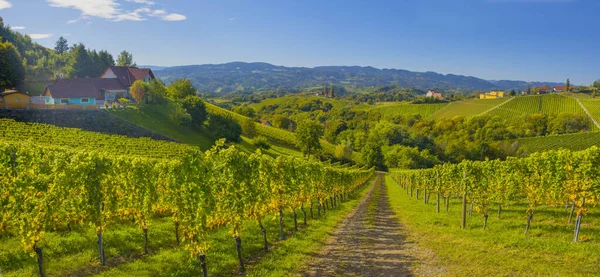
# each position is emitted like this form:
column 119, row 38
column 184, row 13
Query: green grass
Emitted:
column 469, row 107
column 575, row 142
column 156, row 118
column 74, row 253
column 502, row 249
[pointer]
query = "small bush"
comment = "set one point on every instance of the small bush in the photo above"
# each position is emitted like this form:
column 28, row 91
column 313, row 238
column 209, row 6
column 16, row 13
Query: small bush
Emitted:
column 262, row 142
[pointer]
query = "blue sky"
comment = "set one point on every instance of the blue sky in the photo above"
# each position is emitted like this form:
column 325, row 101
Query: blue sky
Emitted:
column 533, row 40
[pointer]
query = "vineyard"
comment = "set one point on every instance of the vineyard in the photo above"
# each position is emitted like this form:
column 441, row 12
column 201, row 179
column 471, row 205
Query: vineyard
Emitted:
column 406, row 109
column 470, row 107
column 552, row 104
column 51, row 135
column 593, row 107
column 45, row 189
column 574, row 142
column 551, row 179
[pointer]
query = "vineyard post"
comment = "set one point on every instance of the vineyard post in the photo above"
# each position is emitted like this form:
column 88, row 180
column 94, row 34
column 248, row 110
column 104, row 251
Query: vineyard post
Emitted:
column 100, row 238
column 417, row 194
column 499, row 210
column 425, row 196
column 463, row 223
column 238, row 247
column 281, row 232
column 572, row 211
column 437, row 208
column 264, row 231
column 145, row 240
column 295, row 221
column 578, row 220
column 40, row 259
column 311, row 210
column 202, row 258
column 447, row 202
column 303, row 212
column 177, row 232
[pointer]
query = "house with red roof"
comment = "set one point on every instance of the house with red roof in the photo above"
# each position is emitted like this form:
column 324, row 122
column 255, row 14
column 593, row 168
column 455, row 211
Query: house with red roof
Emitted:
column 543, row 89
column 113, row 84
column 559, row 88
column 435, row 94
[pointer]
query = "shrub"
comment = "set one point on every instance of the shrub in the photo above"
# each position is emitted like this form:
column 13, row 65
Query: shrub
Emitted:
column 262, row 142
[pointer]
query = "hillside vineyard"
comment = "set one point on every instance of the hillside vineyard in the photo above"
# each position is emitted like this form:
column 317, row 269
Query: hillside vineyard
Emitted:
column 552, row 178
column 43, row 189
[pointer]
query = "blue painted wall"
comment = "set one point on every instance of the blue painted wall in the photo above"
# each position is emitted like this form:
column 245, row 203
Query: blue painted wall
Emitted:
column 75, row 101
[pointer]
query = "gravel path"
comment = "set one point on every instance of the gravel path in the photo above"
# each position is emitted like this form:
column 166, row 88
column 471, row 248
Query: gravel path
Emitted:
column 368, row 243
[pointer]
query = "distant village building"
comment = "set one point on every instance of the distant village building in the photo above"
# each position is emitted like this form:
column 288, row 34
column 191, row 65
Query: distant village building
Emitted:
column 543, row 89
column 266, row 123
column 434, row 94
column 559, row 88
column 492, row 95
column 329, row 93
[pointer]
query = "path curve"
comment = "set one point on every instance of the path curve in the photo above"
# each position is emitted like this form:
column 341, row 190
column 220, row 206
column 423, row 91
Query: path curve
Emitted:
column 368, row 243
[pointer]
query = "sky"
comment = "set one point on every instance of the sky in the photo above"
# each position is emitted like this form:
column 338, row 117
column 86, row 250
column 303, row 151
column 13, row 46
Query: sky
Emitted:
column 531, row 40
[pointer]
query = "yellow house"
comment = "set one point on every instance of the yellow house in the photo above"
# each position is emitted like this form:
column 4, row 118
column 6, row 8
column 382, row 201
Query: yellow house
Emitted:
column 492, row 95
column 13, row 99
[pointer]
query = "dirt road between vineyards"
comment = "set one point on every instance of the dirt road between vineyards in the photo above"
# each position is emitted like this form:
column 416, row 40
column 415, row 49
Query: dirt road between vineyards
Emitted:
column 370, row 242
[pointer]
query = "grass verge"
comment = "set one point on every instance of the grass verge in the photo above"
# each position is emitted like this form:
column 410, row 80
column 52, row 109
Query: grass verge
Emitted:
column 502, row 249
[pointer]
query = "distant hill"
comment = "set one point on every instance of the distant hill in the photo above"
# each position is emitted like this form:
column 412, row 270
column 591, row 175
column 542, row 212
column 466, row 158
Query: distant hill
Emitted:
column 229, row 77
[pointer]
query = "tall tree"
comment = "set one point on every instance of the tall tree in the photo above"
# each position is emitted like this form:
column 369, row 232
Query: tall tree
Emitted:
column 331, row 92
column 62, row 45
column 596, row 84
column 138, row 91
column 125, row 59
column 308, row 134
column 12, row 72
column 568, row 85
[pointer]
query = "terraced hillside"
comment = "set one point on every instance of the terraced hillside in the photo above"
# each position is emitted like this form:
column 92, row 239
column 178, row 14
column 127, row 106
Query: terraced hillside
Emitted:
column 404, row 109
column 470, row 107
column 592, row 105
column 574, row 142
column 552, row 104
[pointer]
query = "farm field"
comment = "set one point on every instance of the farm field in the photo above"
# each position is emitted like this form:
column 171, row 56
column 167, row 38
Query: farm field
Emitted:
column 468, row 108
column 501, row 249
column 573, row 142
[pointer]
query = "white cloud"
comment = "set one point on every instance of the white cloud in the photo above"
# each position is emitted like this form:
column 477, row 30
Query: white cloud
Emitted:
column 17, row 28
column 40, row 36
column 111, row 10
column 4, row 4
column 231, row 18
column 147, row 2
column 174, row 17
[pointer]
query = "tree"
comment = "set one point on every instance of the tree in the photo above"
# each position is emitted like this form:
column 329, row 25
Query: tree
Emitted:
column 528, row 90
column 125, row 59
column 372, row 154
column 331, row 92
column 343, row 151
column 181, row 88
column 62, row 45
column 568, row 85
column 224, row 127
column 197, row 110
column 12, row 72
column 596, row 84
column 157, row 93
column 248, row 127
column 513, row 92
column 280, row 121
column 308, row 134
column 138, row 91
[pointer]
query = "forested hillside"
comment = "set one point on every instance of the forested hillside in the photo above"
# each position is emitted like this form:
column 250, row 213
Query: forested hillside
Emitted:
column 240, row 76
column 29, row 67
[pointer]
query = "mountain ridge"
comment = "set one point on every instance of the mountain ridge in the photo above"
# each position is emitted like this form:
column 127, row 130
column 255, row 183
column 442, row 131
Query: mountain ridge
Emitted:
column 252, row 76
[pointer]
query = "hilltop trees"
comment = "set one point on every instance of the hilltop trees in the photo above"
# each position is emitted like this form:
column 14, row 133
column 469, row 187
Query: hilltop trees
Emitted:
column 196, row 108
column 62, row 46
column 125, row 59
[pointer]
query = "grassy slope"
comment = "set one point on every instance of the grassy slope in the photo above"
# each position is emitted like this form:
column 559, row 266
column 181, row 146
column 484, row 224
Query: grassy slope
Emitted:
column 469, row 107
column 593, row 107
column 74, row 253
column 156, row 118
column 502, row 249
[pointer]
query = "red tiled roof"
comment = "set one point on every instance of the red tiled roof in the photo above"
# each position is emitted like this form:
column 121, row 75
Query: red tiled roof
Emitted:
column 560, row 87
column 84, row 87
column 128, row 75
column 544, row 88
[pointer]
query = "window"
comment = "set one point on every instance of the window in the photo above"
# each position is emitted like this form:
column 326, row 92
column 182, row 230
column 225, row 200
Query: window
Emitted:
column 64, row 100
column 85, row 100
